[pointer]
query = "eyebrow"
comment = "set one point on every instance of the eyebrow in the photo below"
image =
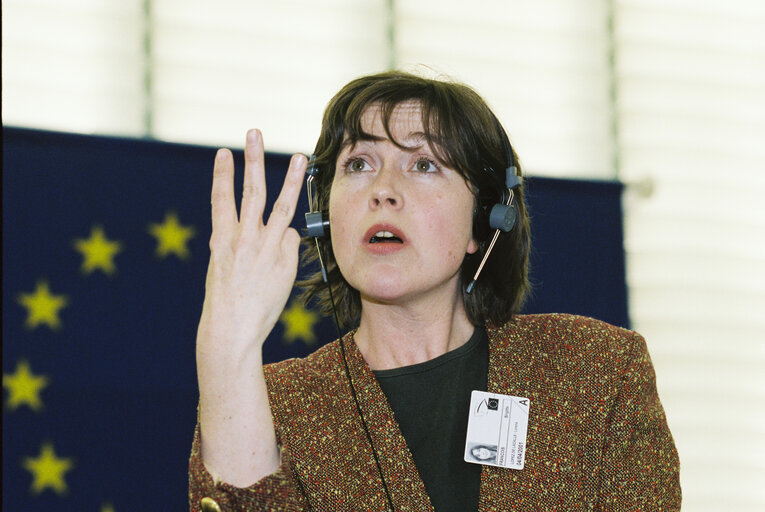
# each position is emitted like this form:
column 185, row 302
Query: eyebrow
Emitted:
column 418, row 138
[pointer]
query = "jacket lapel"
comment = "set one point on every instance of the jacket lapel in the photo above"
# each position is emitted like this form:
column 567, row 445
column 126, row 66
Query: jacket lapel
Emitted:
column 404, row 483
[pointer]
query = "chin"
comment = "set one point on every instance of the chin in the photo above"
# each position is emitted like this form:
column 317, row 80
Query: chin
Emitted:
column 387, row 293
column 384, row 287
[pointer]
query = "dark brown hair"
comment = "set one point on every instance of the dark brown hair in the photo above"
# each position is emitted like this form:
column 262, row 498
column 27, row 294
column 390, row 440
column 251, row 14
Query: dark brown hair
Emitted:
column 466, row 136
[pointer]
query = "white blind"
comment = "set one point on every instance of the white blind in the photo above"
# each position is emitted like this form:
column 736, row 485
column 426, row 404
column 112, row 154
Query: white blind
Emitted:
column 691, row 104
column 74, row 65
column 543, row 66
column 223, row 67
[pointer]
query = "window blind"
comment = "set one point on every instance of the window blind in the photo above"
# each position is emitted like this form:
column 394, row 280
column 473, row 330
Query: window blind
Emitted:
column 223, row 67
column 691, row 110
column 74, row 65
column 542, row 66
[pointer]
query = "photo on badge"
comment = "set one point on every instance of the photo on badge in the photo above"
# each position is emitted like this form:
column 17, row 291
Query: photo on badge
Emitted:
column 482, row 453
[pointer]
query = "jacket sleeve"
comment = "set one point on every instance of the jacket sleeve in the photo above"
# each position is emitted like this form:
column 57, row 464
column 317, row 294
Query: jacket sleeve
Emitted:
column 278, row 492
column 640, row 465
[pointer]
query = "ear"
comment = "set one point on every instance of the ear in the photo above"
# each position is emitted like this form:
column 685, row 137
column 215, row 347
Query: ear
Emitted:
column 472, row 246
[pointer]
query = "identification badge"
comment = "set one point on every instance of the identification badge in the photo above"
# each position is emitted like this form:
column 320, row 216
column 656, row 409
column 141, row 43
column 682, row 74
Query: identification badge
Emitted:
column 497, row 426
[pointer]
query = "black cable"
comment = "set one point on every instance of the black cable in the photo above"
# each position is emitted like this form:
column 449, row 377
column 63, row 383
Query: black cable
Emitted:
column 355, row 397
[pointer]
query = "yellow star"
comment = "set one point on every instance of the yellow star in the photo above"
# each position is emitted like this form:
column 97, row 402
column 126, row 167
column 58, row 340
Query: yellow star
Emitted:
column 98, row 251
column 107, row 507
column 298, row 323
column 42, row 306
column 171, row 236
column 24, row 387
column 48, row 470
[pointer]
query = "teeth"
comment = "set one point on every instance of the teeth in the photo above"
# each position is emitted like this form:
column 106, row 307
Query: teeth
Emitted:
column 382, row 236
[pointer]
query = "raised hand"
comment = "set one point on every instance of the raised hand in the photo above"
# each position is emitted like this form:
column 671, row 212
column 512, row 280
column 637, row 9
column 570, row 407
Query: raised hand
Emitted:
column 252, row 265
column 250, row 275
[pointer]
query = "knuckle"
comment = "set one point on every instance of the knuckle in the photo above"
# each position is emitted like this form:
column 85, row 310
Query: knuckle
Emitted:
column 250, row 192
column 223, row 241
column 247, row 236
column 282, row 208
column 216, row 242
column 291, row 237
column 217, row 197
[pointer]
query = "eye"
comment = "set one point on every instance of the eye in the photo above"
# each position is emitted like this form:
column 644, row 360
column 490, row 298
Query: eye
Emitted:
column 356, row 164
column 425, row 165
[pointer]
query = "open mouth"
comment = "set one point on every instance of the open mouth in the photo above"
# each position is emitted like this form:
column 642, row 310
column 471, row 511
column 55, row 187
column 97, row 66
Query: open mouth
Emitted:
column 385, row 237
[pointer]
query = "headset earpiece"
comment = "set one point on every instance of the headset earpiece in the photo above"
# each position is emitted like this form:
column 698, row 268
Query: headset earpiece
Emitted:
column 502, row 217
column 504, row 214
column 316, row 224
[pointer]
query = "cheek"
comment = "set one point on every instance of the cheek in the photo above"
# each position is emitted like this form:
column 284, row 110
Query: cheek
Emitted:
column 472, row 245
column 341, row 225
column 336, row 220
column 338, row 233
column 451, row 224
column 341, row 248
column 465, row 219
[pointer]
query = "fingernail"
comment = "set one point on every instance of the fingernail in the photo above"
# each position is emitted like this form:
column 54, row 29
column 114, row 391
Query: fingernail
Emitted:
column 253, row 135
column 220, row 156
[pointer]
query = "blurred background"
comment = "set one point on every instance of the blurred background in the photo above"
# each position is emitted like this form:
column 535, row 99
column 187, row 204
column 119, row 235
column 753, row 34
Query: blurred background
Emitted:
column 665, row 96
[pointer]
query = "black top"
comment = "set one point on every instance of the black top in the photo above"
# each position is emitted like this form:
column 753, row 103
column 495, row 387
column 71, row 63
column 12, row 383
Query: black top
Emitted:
column 430, row 401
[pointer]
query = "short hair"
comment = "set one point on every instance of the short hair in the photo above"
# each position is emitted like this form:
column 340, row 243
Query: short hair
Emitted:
column 465, row 135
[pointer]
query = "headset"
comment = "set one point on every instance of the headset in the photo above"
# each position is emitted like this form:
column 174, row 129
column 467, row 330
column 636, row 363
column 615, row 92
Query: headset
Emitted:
column 502, row 218
column 317, row 225
column 504, row 214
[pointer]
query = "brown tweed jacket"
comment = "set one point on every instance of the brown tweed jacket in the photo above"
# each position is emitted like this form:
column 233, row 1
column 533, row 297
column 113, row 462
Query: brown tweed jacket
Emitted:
column 597, row 435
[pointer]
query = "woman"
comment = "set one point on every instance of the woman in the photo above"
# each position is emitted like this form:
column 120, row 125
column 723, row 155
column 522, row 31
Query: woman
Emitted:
column 427, row 264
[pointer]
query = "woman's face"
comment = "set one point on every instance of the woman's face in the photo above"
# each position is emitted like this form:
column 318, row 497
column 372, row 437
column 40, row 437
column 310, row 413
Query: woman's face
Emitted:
column 482, row 453
column 400, row 221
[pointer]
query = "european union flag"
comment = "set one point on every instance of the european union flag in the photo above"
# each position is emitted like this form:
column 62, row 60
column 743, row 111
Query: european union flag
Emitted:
column 105, row 249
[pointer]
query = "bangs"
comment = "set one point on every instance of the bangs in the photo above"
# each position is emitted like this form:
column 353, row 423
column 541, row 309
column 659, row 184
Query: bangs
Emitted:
column 440, row 131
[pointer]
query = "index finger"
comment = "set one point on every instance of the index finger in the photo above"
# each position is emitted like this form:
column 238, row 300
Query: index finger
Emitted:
column 222, row 195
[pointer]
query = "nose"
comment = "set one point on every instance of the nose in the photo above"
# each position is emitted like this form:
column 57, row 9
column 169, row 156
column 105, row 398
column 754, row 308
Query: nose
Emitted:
column 385, row 191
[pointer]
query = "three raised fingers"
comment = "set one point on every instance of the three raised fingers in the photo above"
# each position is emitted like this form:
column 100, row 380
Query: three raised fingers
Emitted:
column 224, row 215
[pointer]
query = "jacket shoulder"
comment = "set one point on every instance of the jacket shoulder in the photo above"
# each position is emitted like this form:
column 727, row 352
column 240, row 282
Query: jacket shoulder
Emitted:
column 556, row 333
column 319, row 365
column 578, row 347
